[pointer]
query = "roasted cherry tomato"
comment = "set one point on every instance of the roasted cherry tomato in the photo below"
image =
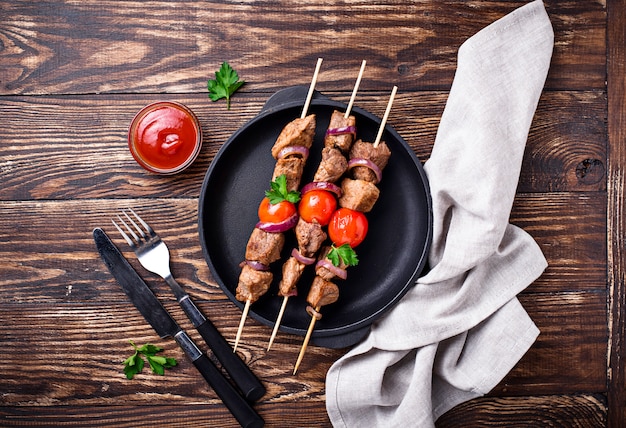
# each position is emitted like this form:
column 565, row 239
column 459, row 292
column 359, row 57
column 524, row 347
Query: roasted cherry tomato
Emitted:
column 275, row 213
column 347, row 227
column 318, row 205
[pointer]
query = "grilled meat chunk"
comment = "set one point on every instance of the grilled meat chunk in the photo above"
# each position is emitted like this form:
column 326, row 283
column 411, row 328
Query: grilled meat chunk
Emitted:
column 358, row 195
column 292, row 167
column 322, row 293
column 292, row 271
column 264, row 247
column 342, row 141
column 378, row 155
column 298, row 132
column 332, row 166
column 252, row 284
column 310, row 237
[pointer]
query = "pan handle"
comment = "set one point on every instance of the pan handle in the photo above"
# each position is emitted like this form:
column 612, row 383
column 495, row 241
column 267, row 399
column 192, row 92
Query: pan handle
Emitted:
column 286, row 95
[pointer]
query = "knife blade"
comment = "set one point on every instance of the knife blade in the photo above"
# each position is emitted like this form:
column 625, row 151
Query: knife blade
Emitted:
column 157, row 316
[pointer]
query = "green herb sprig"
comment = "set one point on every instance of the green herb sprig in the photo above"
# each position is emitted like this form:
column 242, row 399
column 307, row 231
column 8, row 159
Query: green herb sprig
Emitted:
column 135, row 363
column 226, row 82
column 344, row 254
column 278, row 191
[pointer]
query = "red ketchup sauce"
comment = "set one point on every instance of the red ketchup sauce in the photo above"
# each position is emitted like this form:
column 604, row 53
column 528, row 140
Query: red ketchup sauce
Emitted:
column 165, row 137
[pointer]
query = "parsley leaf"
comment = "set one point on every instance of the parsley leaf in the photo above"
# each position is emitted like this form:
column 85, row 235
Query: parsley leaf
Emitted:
column 226, row 82
column 344, row 254
column 159, row 364
column 149, row 349
column 135, row 363
column 278, row 191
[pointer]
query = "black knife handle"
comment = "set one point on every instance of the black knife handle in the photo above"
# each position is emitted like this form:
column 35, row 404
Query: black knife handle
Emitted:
column 239, row 372
column 238, row 406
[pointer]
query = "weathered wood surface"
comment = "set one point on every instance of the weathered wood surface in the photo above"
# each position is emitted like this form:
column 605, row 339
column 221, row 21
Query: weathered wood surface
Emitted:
column 616, row 221
column 73, row 74
column 95, row 46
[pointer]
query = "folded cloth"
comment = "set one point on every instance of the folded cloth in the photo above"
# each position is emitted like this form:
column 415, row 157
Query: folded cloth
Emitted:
column 461, row 329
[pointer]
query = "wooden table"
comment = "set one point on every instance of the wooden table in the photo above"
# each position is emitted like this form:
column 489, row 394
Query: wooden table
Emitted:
column 74, row 73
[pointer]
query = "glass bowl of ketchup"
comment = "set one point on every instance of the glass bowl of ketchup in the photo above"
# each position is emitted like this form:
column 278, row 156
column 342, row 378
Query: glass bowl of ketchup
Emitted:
column 165, row 137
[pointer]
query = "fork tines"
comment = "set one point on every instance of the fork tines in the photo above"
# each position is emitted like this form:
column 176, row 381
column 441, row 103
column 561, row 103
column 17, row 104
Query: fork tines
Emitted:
column 142, row 232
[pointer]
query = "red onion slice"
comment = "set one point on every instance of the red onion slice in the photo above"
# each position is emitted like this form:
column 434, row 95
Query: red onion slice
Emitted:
column 302, row 259
column 302, row 151
column 292, row 293
column 368, row 164
column 322, row 185
column 342, row 130
column 255, row 265
column 278, row 227
column 337, row 271
column 315, row 314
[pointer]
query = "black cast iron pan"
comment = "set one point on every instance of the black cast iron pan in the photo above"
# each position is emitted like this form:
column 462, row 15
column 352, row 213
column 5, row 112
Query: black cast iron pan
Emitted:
column 392, row 256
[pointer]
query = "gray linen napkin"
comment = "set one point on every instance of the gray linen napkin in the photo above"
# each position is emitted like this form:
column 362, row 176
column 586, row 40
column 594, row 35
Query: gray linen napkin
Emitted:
column 461, row 329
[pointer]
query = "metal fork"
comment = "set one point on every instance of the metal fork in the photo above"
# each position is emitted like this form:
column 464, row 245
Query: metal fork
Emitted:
column 154, row 256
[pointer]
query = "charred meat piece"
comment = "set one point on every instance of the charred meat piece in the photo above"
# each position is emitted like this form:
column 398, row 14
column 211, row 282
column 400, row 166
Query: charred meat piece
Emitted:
column 378, row 155
column 298, row 132
column 252, row 284
column 358, row 195
column 264, row 247
column 332, row 166
column 335, row 137
column 310, row 237
column 292, row 167
column 292, row 271
column 322, row 293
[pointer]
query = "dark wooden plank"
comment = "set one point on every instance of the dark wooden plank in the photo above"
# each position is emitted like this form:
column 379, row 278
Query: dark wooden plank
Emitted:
column 300, row 413
column 567, row 146
column 569, row 228
column 126, row 416
column 569, row 355
column 580, row 411
column 83, row 144
column 73, row 353
column 49, row 257
column 616, row 222
column 99, row 47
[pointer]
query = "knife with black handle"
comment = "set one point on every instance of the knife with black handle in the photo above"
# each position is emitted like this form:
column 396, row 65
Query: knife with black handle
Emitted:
column 153, row 311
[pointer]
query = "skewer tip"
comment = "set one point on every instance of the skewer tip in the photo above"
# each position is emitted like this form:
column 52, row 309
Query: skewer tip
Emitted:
column 311, row 89
column 244, row 315
column 355, row 89
column 278, row 320
column 305, row 343
column 386, row 116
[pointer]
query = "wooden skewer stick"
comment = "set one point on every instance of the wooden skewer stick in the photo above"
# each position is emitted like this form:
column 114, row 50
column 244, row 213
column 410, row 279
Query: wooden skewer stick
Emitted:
column 354, row 91
column 246, row 308
column 311, row 89
column 384, row 121
column 306, row 341
column 313, row 318
column 244, row 315
column 304, row 112
column 346, row 115
column 278, row 320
